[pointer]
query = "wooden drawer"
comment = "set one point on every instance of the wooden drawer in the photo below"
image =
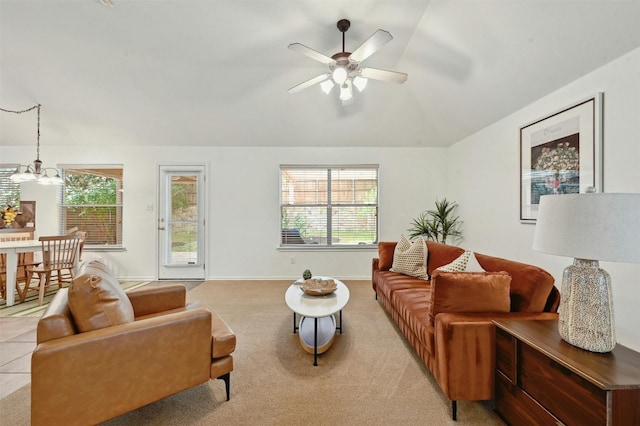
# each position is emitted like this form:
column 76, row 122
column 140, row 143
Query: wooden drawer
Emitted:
column 506, row 346
column 515, row 407
column 572, row 399
column 557, row 382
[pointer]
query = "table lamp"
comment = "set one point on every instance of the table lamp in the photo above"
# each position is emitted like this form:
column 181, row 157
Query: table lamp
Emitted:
column 589, row 228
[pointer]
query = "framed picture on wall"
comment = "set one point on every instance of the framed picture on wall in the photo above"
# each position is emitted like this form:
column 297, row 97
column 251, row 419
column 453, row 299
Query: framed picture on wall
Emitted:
column 561, row 154
column 27, row 216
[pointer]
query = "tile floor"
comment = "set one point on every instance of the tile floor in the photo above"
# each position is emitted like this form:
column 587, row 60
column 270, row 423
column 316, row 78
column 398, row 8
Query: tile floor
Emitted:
column 17, row 341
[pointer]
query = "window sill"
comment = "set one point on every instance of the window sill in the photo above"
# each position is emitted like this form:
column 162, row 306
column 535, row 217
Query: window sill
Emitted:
column 316, row 247
column 104, row 248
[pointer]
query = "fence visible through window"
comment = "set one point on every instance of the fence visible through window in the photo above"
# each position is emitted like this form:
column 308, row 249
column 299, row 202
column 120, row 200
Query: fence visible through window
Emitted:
column 329, row 206
column 92, row 201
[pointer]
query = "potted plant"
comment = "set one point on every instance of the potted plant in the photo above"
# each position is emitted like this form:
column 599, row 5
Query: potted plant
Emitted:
column 439, row 224
column 306, row 275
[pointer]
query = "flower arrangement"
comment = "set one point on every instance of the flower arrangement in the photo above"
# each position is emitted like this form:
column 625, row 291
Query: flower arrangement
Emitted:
column 9, row 214
column 563, row 157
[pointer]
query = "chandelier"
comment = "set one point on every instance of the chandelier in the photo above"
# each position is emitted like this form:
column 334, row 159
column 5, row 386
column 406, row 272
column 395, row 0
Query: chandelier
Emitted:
column 35, row 171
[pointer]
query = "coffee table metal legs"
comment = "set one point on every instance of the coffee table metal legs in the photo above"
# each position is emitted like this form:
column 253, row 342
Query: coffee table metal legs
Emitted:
column 315, row 342
column 315, row 334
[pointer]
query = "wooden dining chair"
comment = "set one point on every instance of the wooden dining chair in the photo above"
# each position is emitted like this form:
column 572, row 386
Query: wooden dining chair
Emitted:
column 59, row 256
column 24, row 260
column 83, row 237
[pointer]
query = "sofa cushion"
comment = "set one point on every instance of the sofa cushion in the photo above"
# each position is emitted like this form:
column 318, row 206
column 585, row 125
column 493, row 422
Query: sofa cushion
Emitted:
column 441, row 254
column 385, row 254
column 469, row 292
column 530, row 285
column 410, row 258
column 411, row 306
column 388, row 282
column 95, row 301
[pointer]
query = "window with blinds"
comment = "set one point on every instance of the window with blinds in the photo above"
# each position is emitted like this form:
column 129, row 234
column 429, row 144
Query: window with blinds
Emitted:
column 328, row 206
column 9, row 191
column 92, row 202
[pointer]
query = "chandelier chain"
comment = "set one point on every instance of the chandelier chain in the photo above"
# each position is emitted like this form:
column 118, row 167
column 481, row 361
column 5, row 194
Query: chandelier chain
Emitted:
column 34, row 171
column 27, row 110
column 38, row 139
column 20, row 112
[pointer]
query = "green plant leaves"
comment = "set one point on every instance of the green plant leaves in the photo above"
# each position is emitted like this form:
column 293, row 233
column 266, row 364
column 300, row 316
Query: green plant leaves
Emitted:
column 439, row 224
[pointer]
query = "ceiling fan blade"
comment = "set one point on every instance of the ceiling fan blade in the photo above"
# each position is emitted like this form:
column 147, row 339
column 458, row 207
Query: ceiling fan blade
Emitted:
column 315, row 80
column 371, row 45
column 383, row 75
column 313, row 54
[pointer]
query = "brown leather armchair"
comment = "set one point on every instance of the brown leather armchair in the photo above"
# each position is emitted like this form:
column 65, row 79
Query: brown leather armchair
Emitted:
column 87, row 377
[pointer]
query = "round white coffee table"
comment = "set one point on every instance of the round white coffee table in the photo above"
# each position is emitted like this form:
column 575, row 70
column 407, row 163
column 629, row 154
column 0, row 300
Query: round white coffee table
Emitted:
column 319, row 333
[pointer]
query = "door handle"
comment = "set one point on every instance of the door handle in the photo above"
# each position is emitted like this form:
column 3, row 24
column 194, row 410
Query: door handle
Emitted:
column 161, row 228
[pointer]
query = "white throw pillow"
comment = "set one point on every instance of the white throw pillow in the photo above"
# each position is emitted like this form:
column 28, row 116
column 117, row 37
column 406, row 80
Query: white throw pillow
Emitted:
column 410, row 258
column 466, row 262
column 473, row 265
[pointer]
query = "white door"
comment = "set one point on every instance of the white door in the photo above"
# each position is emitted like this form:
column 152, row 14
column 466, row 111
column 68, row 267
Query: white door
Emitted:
column 181, row 231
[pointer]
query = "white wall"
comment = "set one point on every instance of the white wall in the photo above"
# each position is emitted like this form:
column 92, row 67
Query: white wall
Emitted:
column 480, row 172
column 484, row 179
column 243, row 204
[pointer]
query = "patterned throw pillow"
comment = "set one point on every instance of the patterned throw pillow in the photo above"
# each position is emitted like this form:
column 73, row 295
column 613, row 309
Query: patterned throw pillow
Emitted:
column 466, row 262
column 473, row 265
column 410, row 258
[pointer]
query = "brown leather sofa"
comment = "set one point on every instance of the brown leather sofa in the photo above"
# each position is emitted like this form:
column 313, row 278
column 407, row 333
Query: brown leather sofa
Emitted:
column 447, row 319
column 102, row 352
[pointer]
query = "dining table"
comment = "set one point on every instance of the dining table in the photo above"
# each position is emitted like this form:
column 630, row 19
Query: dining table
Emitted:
column 11, row 249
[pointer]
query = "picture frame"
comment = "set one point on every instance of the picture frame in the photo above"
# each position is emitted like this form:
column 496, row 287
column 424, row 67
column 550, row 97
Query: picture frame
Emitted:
column 27, row 215
column 561, row 153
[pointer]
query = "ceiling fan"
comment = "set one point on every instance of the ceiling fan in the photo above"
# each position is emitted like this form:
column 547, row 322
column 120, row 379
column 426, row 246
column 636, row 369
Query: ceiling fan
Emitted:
column 344, row 67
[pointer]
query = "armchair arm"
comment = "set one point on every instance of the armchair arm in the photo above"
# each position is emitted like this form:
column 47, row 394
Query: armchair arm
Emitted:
column 151, row 300
column 465, row 352
column 103, row 373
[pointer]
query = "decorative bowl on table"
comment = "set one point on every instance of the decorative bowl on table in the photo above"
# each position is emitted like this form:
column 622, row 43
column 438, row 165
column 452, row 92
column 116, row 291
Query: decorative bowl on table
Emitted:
column 319, row 286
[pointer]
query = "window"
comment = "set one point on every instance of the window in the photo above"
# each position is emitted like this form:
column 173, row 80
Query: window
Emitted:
column 330, row 206
column 92, row 202
column 9, row 190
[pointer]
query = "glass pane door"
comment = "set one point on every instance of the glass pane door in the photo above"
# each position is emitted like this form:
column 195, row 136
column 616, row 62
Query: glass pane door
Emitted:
column 180, row 223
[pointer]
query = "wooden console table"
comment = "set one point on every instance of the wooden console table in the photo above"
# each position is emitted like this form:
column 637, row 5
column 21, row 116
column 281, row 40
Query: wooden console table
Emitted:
column 541, row 379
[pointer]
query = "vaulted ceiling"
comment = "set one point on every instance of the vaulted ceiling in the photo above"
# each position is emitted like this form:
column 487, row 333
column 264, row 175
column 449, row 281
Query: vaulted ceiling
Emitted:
column 216, row 73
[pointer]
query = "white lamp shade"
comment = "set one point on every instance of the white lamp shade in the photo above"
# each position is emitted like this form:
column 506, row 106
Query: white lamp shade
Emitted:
column 360, row 83
column 346, row 93
column 603, row 226
column 25, row 176
column 326, row 86
column 339, row 75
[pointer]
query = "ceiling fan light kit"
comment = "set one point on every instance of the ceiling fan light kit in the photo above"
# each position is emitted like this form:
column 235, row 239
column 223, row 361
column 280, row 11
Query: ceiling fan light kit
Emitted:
column 344, row 67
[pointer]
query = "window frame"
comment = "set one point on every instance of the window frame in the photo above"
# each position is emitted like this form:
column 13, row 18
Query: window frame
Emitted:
column 330, row 205
column 7, row 169
column 119, row 227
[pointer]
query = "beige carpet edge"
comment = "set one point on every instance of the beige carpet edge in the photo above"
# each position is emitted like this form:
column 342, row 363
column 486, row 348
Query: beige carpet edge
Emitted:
column 370, row 376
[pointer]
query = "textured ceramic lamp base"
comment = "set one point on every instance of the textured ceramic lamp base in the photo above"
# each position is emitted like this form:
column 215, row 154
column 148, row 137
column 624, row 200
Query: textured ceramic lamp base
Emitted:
column 586, row 307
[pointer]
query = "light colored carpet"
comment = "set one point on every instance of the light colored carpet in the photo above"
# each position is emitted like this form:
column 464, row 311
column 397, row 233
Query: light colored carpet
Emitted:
column 369, row 377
